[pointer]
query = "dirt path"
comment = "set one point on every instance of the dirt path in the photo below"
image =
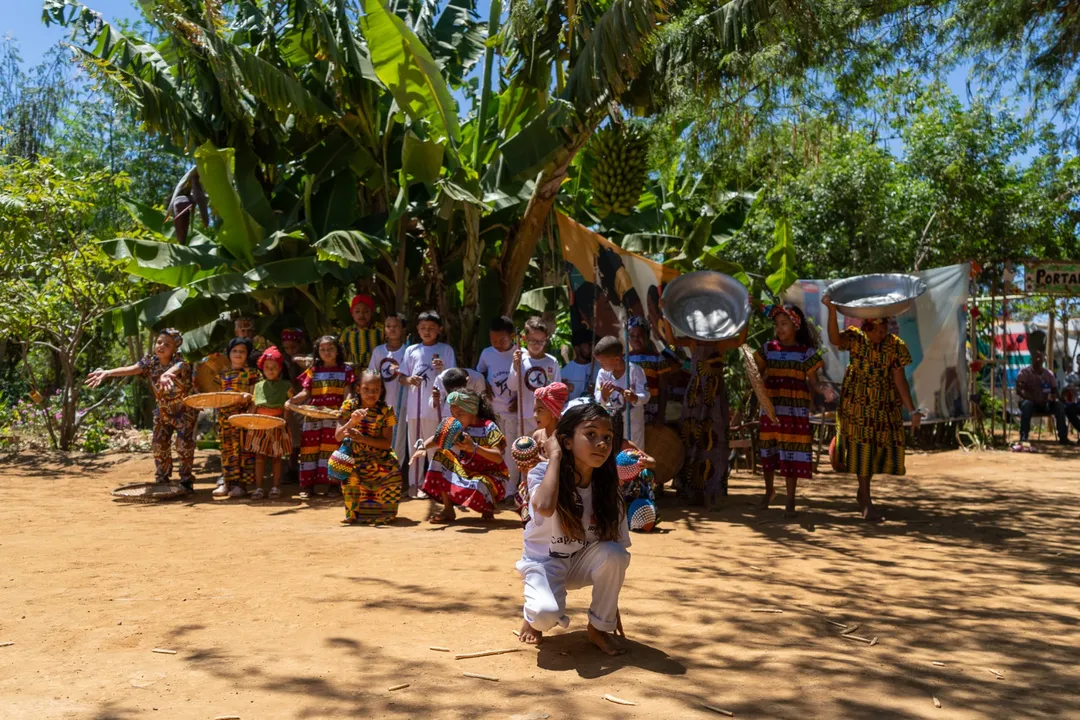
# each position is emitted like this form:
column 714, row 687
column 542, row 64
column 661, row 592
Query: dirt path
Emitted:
column 276, row 611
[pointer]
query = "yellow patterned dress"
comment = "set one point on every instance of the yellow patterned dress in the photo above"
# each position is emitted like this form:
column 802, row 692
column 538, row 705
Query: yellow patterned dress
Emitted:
column 358, row 344
column 237, row 464
column 373, row 490
column 871, row 428
column 704, row 427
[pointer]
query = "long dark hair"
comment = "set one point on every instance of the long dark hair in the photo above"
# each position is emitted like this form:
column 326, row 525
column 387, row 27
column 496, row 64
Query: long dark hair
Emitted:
column 484, row 410
column 607, row 499
column 337, row 346
column 805, row 334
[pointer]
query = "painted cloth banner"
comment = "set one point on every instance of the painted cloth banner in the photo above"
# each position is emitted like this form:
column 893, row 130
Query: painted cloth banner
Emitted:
column 935, row 331
column 601, row 274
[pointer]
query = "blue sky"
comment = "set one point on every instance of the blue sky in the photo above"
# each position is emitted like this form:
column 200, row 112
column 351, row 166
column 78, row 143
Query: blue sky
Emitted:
column 21, row 20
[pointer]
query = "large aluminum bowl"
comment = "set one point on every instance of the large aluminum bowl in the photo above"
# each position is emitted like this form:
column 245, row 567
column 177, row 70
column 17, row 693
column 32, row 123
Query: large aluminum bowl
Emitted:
column 875, row 296
column 706, row 305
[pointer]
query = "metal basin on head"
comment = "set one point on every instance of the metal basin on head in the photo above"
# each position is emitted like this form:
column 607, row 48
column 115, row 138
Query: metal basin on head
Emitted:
column 707, row 305
column 879, row 295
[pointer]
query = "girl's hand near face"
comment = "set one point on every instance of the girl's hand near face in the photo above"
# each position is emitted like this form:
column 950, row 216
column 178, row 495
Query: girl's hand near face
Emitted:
column 357, row 416
column 552, row 449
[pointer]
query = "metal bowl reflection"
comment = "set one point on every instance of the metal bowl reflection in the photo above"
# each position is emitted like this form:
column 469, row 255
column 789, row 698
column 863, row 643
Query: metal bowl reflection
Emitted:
column 707, row 305
column 878, row 295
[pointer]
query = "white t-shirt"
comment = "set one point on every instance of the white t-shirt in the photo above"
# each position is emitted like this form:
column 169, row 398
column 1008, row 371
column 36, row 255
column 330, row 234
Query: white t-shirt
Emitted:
column 474, row 383
column 537, row 535
column 536, row 373
column 494, row 365
column 577, row 375
column 560, row 544
column 417, row 361
column 387, row 362
column 616, row 404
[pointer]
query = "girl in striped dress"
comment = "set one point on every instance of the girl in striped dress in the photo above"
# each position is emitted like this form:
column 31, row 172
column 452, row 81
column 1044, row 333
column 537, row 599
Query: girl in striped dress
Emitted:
column 271, row 394
column 473, row 474
column 373, row 489
column 790, row 364
column 237, row 464
column 326, row 384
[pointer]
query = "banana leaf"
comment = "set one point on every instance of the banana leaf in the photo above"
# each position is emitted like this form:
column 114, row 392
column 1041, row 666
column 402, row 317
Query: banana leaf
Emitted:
column 239, row 233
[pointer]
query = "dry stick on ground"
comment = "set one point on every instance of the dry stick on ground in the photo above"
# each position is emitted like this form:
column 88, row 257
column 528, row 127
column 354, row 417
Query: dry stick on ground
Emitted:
column 848, row 631
column 402, row 686
column 939, row 664
column 485, row 653
column 618, row 700
column 6, row 644
column 839, row 625
column 766, row 610
column 937, row 703
column 478, row 676
column 227, row 717
column 726, row 713
column 163, row 651
column 436, row 648
column 868, row 641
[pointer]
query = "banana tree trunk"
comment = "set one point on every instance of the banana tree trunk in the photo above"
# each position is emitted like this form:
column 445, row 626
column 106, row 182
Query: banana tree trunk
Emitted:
column 470, row 311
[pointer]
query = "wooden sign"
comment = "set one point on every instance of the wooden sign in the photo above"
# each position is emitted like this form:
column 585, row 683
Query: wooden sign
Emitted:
column 1052, row 277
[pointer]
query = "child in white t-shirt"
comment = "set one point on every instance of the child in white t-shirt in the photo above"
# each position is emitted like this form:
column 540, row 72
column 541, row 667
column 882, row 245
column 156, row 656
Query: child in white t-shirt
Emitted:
column 386, row 360
column 619, row 386
column 421, row 365
column 535, row 370
column 494, row 364
column 580, row 373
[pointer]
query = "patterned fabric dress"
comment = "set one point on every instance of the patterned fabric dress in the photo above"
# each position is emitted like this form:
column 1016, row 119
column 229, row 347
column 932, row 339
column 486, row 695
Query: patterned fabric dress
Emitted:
column 704, row 427
column 787, row 445
column 359, row 343
column 171, row 416
column 237, row 464
column 654, row 366
column 327, row 386
column 270, row 397
column 871, row 432
column 373, row 490
column 475, row 482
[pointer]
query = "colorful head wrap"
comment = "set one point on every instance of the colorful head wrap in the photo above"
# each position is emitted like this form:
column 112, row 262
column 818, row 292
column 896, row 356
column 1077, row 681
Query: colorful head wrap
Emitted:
column 553, row 397
column 366, row 299
column 174, row 335
column 293, row 334
column 270, row 353
column 243, row 322
column 771, row 311
column 868, row 324
column 637, row 321
column 467, row 401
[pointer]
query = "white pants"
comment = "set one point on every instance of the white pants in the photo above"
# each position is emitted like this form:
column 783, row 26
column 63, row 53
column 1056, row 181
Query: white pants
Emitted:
column 421, row 430
column 508, row 425
column 602, row 565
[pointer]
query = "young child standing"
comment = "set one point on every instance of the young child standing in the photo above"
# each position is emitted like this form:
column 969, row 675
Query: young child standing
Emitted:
column 237, row 464
column 494, row 365
column 655, row 366
column 271, row 394
column 580, row 373
column 373, row 490
column 474, row 476
column 577, row 534
column 170, row 379
column 292, row 345
column 535, row 369
column 790, row 364
column 618, row 386
column 362, row 338
column 386, row 360
column 326, row 384
column 421, row 365
column 548, row 408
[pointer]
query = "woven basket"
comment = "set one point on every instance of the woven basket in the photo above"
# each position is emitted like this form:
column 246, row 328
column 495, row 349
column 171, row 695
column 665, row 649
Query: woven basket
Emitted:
column 214, row 400
column 757, row 382
column 316, row 413
column 149, row 492
column 252, row 421
column 206, row 372
column 665, row 445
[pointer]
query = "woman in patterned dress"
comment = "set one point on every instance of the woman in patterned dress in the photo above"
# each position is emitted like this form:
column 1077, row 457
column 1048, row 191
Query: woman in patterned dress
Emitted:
column 237, row 464
column 327, row 384
column 790, row 364
column 869, row 424
column 474, row 475
column 373, row 490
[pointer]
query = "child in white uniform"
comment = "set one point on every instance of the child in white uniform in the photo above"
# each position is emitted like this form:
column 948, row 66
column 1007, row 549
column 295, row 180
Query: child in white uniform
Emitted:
column 386, row 360
column 618, row 386
column 421, row 365
column 577, row 533
column 494, row 365
column 536, row 369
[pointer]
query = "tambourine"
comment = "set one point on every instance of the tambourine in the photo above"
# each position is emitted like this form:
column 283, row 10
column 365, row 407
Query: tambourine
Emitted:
column 215, row 400
column 253, row 421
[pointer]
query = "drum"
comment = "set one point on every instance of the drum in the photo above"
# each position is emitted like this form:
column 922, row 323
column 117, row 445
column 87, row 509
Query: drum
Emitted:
column 206, row 372
column 215, row 400
column 665, row 446
column 252, row 421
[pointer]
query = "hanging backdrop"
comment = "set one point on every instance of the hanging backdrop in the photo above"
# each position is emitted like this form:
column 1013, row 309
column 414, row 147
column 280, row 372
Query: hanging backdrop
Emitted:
column 935, row 330
column 601, row 274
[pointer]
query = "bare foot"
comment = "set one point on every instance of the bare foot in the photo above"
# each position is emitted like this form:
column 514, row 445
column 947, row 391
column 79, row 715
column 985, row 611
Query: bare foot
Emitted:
column 446, row 516
column 767, row 500
column 487, row 516
column 605, row 641
column 870, row 514
column 529, row 635
column 790, row 511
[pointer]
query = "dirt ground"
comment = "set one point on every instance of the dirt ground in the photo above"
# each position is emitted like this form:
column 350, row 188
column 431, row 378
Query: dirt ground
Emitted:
column 277, row 611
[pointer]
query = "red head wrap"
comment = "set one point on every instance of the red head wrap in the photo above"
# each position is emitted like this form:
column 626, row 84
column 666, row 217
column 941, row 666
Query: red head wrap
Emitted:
column 271, row 353
column 771, row 311
column 293, row 334
column 553, row 397
column 366, row 299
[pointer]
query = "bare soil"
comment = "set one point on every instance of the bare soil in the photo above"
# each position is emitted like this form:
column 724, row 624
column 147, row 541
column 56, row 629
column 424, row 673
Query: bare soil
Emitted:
column 276, row 611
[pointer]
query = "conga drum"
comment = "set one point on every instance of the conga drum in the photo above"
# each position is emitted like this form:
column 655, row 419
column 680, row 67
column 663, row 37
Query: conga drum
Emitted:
column 665, row 446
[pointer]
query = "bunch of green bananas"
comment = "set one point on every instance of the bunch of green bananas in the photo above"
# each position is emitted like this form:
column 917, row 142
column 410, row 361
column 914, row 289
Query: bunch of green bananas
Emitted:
column 620, row 155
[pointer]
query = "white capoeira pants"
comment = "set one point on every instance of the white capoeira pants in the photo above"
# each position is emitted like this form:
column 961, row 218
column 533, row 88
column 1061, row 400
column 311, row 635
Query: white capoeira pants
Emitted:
column 421, row 430
column 508, row 426
column 602, row 565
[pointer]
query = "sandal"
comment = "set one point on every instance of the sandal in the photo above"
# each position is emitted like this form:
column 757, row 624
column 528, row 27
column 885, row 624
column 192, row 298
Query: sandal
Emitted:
column 305, row 494
column 258, row 494
column 275, row 493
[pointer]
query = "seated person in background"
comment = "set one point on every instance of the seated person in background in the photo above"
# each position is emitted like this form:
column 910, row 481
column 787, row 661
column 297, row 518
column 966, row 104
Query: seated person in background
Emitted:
column 1070, row 393
column 1037, row 389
